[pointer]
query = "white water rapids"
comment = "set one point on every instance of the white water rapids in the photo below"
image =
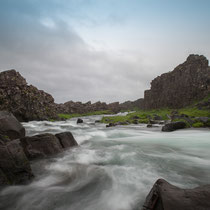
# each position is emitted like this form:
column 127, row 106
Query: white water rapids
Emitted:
column 112, row 169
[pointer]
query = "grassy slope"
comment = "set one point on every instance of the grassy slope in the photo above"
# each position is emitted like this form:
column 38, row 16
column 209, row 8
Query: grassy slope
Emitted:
column 69, row 116
column 191, row 111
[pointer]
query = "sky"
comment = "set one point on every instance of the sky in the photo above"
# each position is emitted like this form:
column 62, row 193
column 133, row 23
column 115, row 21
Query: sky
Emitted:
column 100, row 50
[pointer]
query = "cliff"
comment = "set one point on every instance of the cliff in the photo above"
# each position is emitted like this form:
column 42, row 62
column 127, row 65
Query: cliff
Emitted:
column 187, row 83
column 26, row 102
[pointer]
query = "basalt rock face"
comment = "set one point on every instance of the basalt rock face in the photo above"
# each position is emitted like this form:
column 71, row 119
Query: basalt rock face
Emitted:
column 164, row 196
column 188, row 82
column 26, row 102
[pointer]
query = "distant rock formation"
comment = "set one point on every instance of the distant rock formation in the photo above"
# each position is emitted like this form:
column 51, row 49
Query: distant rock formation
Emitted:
column 187, row 83
column 26, row 102
column 71, row 107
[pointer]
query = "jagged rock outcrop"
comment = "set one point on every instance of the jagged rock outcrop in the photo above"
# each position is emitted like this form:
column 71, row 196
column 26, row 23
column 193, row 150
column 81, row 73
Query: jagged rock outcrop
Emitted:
column 130, row 105
column 187, row 83
column 164, row 196
column 71, row 107
column 26, row 102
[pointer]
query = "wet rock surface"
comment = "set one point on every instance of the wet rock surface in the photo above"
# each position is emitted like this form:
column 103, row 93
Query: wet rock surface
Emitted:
column 14, row 165
column 10, row 127
column 174, row 126
column 164, row 196
column 66, row 139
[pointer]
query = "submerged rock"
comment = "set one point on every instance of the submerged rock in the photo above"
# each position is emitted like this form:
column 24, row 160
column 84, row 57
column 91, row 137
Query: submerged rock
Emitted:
column 174, row 126
column 164, row 196
column 10, row 126
column 79, row 120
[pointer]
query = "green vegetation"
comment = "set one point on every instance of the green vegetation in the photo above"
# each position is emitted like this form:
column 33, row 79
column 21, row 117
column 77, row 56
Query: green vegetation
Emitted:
column 198, row 125
column 139, row 116
column 143, row 116
column 194, row 112
column 69, row 116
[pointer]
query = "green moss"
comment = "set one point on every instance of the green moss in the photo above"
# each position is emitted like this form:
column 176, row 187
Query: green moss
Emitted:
column 198, row 125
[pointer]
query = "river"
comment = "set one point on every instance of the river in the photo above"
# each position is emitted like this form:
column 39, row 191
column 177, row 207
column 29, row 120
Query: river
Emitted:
column 112, row 169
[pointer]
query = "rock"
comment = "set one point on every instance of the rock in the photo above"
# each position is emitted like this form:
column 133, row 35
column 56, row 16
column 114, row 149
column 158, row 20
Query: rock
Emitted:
column 97, row 121
column 10, row 127
column 135, row 122
column 174, row 126
column 179, row 88
column 14, row 165
column 164, row 196
column 79, row 120
column 202, row 119
column 26, row 102
column 66, row 139
column 41, row 145
column 111, row 125
column 136, row 117
column 157, row 117
column 149, row 126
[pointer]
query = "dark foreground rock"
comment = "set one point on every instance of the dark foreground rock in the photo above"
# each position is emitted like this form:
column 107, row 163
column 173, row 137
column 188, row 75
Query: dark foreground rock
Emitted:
column 44, row 145
column 174, row 126
column 10, row 126
column 66, row 139
column 14, row 165
column 164, row 196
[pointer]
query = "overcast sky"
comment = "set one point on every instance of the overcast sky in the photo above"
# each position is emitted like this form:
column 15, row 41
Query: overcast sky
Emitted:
column 107, row 50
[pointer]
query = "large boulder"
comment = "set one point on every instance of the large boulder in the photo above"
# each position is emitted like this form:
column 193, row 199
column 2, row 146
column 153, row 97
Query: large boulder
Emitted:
column 10, row 126
column 66, row 139
column 43, row 145
column 40, row 145
column 174, row 126
column 14, row 165
column 164, row 196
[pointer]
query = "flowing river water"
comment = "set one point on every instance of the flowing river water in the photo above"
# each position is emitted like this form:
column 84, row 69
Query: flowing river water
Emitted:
column 112, row 169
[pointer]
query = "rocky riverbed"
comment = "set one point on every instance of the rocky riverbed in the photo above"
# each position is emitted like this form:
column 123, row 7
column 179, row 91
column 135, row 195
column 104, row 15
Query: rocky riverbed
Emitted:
column 113, row 168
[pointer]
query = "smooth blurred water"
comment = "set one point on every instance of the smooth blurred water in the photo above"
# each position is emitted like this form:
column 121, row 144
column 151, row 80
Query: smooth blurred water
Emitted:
column 113, row 168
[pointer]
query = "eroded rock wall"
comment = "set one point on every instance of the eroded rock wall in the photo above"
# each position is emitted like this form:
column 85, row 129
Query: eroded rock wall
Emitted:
column 26, row 102
column 187, row 83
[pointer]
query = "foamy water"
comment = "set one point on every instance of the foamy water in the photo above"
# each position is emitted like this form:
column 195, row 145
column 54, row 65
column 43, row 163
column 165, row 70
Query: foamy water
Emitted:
column 113, row 168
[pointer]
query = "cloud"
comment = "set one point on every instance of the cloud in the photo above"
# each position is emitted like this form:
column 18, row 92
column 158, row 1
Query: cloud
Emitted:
column 52, row 56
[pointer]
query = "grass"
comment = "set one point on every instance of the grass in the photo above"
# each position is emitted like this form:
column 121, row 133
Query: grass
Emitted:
column 198, row 125
column 69, row 116
column 142, row 116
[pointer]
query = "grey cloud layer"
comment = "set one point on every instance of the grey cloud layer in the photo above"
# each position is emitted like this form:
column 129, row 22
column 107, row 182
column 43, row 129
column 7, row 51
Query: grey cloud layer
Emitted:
column 57, row 60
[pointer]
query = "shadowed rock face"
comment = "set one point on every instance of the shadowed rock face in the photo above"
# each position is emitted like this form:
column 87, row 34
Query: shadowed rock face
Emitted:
column 164, row 196
column 188, row 82
column 26, row 102
column 14, row 165
column 10, row 126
